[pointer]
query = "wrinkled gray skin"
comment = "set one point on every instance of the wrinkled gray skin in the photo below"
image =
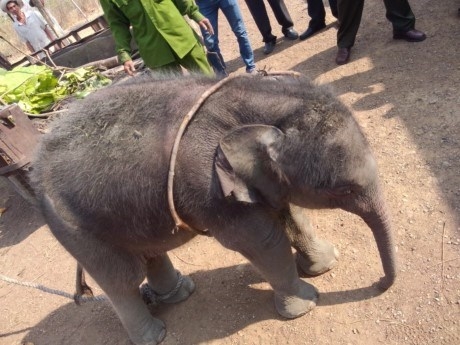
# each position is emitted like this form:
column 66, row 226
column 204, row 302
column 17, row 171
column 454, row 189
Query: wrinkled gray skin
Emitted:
column 258, row 152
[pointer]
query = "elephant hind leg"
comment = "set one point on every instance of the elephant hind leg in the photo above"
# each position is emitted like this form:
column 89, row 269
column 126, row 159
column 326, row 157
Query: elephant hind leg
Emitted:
column 119, row 274
column 164, row 283
column 117, row 271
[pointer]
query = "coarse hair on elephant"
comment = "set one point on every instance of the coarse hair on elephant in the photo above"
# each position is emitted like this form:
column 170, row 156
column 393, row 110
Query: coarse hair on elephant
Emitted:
column 258, row 152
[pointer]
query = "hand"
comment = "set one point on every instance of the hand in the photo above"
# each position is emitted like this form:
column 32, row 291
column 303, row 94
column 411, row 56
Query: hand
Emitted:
column 129, row 67
column 206, row 24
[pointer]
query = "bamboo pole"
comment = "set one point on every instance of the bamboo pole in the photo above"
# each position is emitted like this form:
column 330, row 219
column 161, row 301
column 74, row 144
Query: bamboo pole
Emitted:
column 38, row 4
column 79, row 9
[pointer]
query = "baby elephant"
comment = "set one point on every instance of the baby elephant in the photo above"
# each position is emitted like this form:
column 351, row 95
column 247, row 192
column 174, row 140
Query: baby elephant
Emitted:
column 257, row 153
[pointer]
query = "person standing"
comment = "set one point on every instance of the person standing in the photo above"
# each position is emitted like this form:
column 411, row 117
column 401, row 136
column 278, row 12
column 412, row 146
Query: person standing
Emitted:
column 30, row 26
column 231, row 11
column 164, row 38
column 259, row 13
column 317, row 14
column 398, row 12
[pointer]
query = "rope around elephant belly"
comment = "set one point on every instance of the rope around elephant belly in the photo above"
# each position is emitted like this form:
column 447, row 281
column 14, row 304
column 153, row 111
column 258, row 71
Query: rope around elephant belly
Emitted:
column 180, row 224
column 147, row 293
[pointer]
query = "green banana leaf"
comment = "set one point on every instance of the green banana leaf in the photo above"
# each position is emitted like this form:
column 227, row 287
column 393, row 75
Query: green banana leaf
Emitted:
column 36, row 89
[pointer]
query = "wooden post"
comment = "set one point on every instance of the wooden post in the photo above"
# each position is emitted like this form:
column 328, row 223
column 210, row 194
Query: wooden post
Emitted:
column 4, row 63
column 38, row 4
column 79, row 9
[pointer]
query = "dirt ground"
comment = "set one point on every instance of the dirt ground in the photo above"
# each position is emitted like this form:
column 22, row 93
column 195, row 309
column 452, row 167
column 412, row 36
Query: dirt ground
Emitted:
column 406, row 97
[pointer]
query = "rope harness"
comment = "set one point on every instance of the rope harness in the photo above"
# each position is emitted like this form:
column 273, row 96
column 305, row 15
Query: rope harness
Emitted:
column 148, row 294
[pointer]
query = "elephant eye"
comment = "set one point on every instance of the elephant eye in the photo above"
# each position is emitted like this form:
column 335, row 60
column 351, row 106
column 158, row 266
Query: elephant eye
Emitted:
column 341, row 191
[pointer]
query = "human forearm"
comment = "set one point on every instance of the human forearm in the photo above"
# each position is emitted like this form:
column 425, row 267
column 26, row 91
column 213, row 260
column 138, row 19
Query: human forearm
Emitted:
column 29, row 46
column 119, row 26
column 50, row 33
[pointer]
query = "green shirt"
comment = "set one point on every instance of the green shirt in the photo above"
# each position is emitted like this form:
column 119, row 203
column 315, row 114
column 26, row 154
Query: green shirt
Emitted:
column 158, row 27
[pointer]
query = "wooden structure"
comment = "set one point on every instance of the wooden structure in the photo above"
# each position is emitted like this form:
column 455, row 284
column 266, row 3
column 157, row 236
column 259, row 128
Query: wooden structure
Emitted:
column 75, row 35
column 18, row 139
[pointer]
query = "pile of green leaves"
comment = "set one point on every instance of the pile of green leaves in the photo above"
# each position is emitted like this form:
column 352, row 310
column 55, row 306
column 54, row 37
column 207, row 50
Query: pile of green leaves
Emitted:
column 36, row 89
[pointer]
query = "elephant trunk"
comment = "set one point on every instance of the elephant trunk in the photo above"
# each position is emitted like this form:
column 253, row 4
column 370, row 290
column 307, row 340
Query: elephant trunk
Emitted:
column 379, row 222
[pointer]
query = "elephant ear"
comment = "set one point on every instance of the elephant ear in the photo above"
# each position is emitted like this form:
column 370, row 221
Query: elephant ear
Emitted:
column 246, row 165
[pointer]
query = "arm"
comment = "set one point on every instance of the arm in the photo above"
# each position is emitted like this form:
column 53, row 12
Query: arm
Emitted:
column 49, row 33
column 189, row 8
column 29, row 46
column 119, row 26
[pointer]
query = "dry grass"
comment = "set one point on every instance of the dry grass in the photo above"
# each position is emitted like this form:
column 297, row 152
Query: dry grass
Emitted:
column 69, row 13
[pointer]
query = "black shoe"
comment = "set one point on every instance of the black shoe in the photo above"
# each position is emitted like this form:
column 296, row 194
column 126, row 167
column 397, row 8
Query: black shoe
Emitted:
column 410, row 36
column 269, row 47
column 343, row 55
column 290, row 34
column 310, row 32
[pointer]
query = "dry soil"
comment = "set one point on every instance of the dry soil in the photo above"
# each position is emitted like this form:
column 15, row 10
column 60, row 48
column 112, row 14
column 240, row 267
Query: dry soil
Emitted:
column 406, row 98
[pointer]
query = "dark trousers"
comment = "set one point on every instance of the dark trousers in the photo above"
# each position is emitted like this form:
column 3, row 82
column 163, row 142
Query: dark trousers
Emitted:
column 398, row 12
column 317, row 12
column 259, row 13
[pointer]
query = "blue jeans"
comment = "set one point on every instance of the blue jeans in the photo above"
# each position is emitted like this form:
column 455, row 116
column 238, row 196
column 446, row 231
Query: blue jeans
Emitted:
column 231, row 10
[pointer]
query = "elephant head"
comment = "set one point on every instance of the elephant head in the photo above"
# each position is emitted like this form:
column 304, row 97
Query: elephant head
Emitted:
column 309, row 164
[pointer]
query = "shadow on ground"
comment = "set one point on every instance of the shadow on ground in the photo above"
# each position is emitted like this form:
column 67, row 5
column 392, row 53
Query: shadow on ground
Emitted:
column 209, row 310
column 19, row 219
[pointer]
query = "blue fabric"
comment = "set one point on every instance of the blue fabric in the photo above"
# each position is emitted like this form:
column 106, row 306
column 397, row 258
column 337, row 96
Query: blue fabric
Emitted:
column 231, row 11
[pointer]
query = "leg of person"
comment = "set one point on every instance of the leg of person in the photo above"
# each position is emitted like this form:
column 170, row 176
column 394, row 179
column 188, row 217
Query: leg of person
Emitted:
column 172, row 67
column 350, row 13
column 317, row 15
column 259, row 13
column 210, row 9
column 399, row 13
column 333, row 7
column 232, row 12
column 195, row 61
column 283, row 18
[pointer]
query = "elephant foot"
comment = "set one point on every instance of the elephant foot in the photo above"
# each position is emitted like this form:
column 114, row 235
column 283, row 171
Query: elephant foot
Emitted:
column 154, row 333
column 183, row 289
column 323, row 259
column 187, row 286
column 292, row 306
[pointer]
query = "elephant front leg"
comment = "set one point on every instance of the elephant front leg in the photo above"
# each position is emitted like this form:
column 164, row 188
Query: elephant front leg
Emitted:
column 314, row 256
column 268, row 249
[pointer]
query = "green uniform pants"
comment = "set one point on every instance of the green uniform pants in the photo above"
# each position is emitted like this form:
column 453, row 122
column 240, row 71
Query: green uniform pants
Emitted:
column 398, row 12
column 194, row 61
